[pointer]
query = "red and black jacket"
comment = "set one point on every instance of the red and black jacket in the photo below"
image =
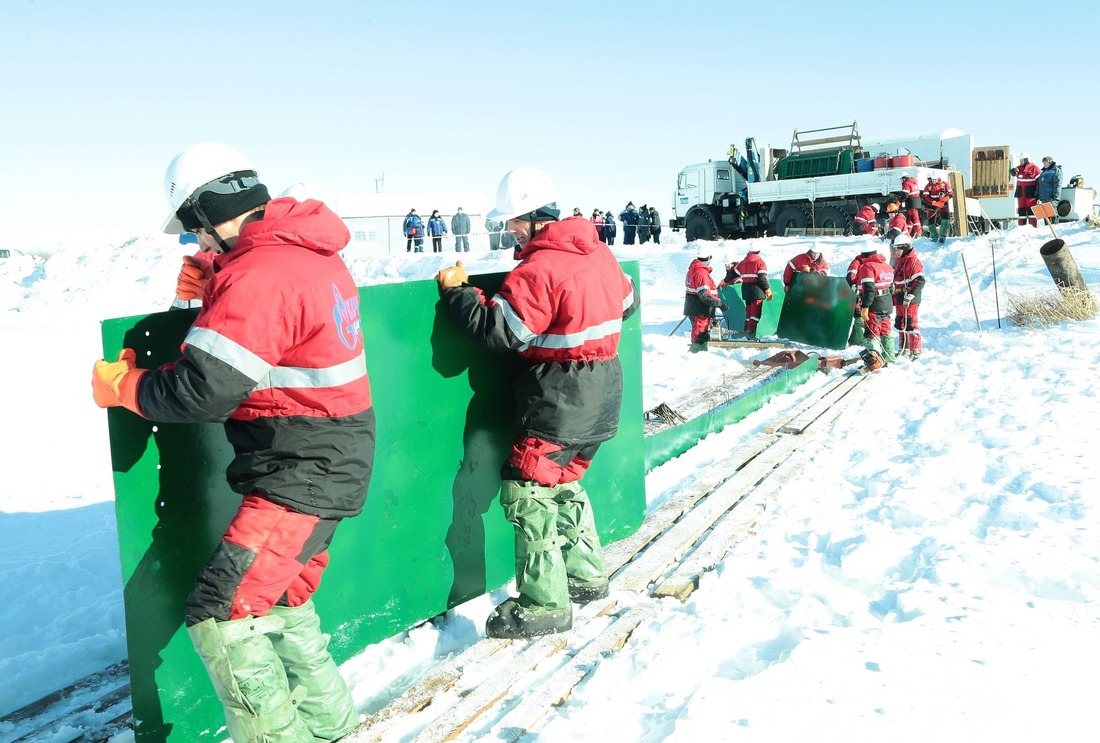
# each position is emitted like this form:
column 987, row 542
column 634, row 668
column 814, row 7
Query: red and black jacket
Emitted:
column 1027, row 181
column 875, row 278
column 752, row 272
column 700, row 293
column 561, row 308
column 276, row 353
column 803, row 263
column 908, row 277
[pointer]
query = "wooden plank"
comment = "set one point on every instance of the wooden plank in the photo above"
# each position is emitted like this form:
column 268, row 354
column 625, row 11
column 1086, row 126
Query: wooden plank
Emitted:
column 493, row 687
column 421, row 694
column 748, row 344
column 656, row 521
column 958, row 199
column 834, row 397
column 823, row 421
column 104, row 709
column 826, row 394
column 110, row 676
column 648, row 566
column 731, row 528
column 536, row 702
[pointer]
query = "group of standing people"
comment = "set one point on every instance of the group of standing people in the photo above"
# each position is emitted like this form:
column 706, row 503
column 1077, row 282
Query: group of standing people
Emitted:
column 883, row 288
column 643, row 224
column 414, row 229
column 1035, row 185
column 604, row 223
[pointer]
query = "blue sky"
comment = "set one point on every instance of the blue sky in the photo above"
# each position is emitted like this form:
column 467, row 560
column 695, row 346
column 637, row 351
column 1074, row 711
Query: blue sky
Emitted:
column 610, row 98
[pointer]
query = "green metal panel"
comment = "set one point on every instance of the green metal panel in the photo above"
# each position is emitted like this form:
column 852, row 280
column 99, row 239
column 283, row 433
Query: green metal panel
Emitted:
column 662, row 446
column 432, row 533
column 735, row 312
column 818, row 311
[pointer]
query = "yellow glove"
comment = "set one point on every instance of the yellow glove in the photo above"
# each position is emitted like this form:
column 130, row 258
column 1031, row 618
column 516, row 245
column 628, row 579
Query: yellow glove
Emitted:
column 115, row 383
column 449, row 278
column 805, row 269
column 865, row 313
column 768, row 294
column 193, row 277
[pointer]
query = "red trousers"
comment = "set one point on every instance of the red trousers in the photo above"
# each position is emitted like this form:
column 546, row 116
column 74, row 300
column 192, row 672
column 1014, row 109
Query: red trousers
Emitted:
column 269, row 554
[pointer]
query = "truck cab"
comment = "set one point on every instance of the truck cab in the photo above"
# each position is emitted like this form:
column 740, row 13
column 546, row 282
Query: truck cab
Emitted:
column 709, row 200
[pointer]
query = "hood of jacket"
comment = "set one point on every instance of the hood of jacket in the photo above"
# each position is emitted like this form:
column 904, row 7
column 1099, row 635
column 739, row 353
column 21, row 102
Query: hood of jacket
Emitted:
column 574, row 235
column 305, row 224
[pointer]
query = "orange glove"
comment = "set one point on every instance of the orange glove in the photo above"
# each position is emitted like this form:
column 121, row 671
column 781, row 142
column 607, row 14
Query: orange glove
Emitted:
column 768, row 294
column 865, row 313
column 449, row 278
column 193, row 277
column 115, row 383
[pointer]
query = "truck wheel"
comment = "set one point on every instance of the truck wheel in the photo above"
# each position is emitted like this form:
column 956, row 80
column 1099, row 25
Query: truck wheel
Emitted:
column 791, row 216
column 831, row 216
column 700, row 226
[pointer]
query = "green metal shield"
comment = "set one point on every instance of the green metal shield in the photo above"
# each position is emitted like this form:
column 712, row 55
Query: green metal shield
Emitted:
column 818, row 311
column 432, row 533
column 735, row 312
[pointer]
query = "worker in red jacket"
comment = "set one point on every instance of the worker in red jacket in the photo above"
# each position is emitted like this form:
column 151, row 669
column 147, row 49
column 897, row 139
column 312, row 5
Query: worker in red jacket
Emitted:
column 812, row 261
column 865, row 221
column 700, row 301
column 910, row 189
column 1027, row 188
column 276, row 356
column 898, row 224
column 875, row 278
column 752, row 274
column 908, row 283
column 561, row 311
column 936, row 197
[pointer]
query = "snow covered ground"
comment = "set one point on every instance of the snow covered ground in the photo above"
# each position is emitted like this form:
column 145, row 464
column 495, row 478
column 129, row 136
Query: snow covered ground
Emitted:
column 932, row 575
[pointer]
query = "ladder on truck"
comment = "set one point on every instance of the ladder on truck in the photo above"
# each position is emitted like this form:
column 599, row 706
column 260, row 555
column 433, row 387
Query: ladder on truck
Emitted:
column 830, row 138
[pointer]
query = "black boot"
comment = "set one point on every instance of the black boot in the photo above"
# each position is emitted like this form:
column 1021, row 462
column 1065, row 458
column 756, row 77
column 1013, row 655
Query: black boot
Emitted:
column 511, row 621
column 582, row 595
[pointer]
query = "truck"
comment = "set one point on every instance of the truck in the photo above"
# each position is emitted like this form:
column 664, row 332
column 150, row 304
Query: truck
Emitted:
column 827, row 175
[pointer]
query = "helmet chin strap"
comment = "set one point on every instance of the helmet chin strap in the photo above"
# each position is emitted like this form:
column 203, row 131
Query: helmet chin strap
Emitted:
column 201, row 216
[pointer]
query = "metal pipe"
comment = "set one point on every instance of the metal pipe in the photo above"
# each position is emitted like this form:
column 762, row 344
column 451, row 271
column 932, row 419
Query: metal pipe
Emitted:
column 1063, row 269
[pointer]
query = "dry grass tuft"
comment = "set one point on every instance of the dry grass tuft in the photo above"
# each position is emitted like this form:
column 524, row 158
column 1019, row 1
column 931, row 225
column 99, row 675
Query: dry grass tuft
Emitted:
column 1043, row 309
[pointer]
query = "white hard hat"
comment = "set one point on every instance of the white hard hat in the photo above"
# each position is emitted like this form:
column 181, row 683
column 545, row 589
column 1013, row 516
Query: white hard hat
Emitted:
column 197, row 166
column 1025, row 156
column 304, row 190
column 875, row 207
column 522, row 191
column 902, row 239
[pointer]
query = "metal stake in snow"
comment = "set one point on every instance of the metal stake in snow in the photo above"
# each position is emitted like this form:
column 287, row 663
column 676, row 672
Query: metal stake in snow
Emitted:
column 971, row 287
column 993, row 245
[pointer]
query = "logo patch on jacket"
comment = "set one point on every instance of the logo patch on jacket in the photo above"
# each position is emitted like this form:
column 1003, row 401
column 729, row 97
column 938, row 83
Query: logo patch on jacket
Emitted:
column 346, row 314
